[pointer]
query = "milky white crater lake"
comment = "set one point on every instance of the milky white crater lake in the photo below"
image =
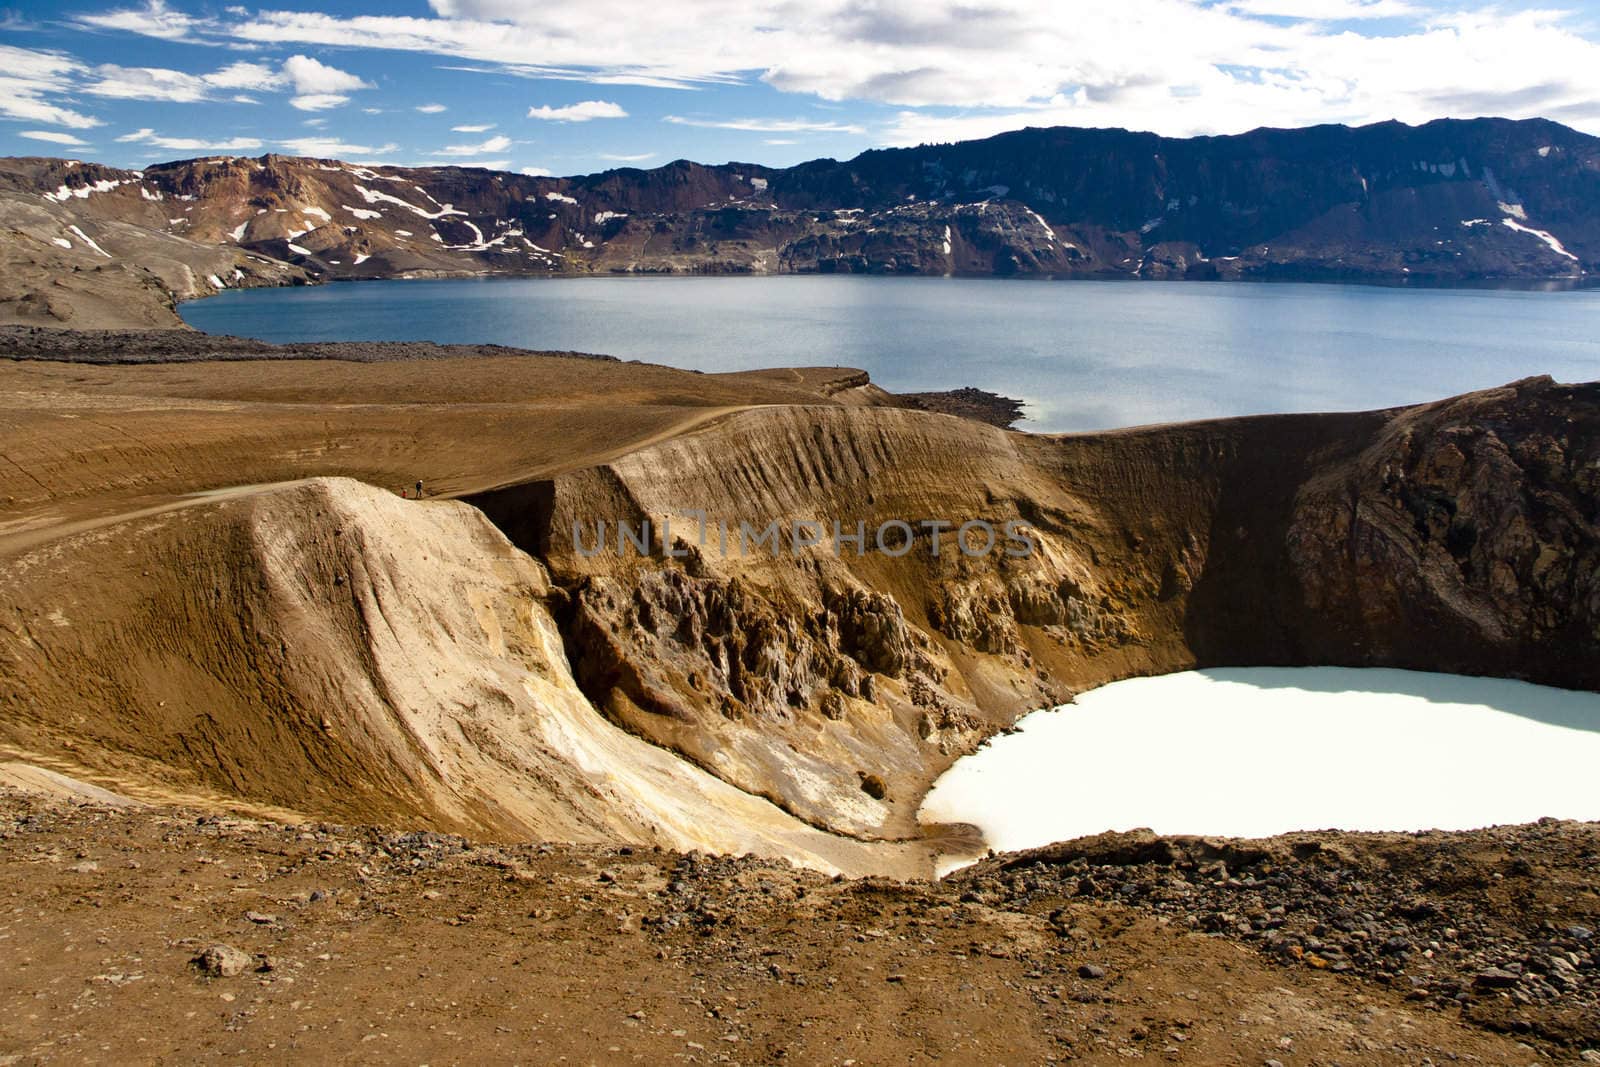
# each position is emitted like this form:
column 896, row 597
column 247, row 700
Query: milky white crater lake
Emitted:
column 1260, row 751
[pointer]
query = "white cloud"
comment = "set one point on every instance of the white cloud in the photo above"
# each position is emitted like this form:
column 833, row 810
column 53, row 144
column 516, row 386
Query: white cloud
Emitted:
column 310, row 76
column 950, row 67
column 258, row 77
column 1326, row 10
column 147, row 83
column 28, row 76
column 155, row 19
column 53, row 137
column 431, row 109
column 332, row 148
column 189, row 144
column 473, row 129
column 1176, row 66
column 493, row 144
column 536, row 172
column 32, row 76
column 582, row 111
column 640, row 158
column 318, row 101
column 768, row 125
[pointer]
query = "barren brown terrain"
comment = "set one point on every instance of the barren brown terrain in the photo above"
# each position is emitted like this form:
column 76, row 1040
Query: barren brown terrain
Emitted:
column 244, row 676
column 161, row 935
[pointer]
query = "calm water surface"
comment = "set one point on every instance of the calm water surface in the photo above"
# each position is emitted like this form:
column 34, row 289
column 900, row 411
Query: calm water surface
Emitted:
column 1083, row 354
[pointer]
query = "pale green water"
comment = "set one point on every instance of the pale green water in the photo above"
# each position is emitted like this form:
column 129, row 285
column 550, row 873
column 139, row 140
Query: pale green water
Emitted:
column 1082, row 354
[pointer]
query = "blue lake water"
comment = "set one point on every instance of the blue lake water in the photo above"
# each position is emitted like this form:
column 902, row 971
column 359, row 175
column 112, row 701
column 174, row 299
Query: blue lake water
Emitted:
column 1083, row 355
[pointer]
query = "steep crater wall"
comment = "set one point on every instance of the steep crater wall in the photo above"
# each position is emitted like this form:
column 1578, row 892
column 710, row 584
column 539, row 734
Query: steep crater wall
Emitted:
column 1459, row 536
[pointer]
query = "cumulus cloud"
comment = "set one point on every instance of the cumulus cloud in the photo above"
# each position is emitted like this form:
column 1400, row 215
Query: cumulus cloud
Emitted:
column 582, row 111
column 53, row 137
column 1176, row 66
column 950, row 68
column 317, row 86
column 189, row 144
column 473, row 129
column 493, row 144
column 536, row 172
column 431, row 109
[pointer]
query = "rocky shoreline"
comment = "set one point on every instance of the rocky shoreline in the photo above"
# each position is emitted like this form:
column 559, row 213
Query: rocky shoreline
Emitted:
column 969, row 403
column 1498, row 924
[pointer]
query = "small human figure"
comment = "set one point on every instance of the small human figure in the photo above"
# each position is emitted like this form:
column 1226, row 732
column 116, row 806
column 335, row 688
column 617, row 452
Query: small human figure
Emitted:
column 419, row 490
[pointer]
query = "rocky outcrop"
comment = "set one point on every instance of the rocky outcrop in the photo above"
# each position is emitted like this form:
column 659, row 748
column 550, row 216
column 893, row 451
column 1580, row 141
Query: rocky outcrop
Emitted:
column 328, row 648
column 1475, row 522
column 1448, row 201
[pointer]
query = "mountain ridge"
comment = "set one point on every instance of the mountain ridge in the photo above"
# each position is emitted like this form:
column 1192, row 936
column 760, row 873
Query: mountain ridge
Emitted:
column 1446, row 202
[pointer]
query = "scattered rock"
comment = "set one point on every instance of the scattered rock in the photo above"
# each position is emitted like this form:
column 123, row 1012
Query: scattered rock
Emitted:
column 222, row 961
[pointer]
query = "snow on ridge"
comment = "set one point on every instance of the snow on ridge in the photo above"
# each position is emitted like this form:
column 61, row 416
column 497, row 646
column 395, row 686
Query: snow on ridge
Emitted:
column 1547, row 238
column 238, row 231
column 361, row 257
column 1516, row 211
column 82, row 192
column 1048, row 232
column 553, row 195
column 601, row 217
column 361, row 212
column 156, row 196
column 947, row 240
column 372, row 196
column 62, row 241
column 298, row 250
column 86, row 239
column 317, row 211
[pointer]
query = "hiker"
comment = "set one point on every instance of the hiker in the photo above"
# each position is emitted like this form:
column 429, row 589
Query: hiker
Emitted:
column 419, row 490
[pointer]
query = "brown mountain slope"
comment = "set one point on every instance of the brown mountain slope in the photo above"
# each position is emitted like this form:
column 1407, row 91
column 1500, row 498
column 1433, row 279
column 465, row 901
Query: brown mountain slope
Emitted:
column 87, row 245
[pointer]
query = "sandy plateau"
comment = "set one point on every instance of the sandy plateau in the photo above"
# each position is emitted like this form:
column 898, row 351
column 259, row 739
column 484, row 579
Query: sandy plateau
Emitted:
column 441, row 785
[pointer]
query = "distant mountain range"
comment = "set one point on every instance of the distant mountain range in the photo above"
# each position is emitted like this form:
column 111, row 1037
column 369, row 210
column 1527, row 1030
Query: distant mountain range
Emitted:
column 90, row 245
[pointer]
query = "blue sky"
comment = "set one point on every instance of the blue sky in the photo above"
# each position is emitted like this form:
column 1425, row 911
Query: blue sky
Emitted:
column 574, row 86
